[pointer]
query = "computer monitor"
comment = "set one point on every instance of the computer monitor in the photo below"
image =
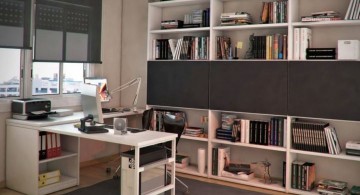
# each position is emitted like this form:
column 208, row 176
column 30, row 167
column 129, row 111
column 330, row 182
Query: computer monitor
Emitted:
column 102, row 83
column 90, row 102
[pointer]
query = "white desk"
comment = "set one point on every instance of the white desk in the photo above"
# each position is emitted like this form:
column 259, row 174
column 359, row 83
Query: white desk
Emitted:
column 22, row 153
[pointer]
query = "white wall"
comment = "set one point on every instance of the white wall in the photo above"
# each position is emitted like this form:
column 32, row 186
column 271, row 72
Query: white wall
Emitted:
column 134, row 48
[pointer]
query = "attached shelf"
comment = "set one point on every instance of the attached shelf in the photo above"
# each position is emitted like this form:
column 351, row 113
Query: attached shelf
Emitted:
column 273, row 148
column 328, row 23
column 191, row 170
column 303, row 192
column 251, row 26
column 65, row 182
column 194, row 138
column 180, row 30
column 156, row 164
column 178, row 3
column 64, row 154
column 342, row 155
column 256, row 182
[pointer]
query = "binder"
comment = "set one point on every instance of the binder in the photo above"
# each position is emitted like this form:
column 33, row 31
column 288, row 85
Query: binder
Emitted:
column 49, row 153
column 53, row 145
column 58, row 145
column 49, row 181
column 48, row 175
column 42, row 145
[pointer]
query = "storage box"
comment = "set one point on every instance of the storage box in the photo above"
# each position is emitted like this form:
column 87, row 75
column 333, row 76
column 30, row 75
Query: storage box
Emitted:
column 348, row 49
column 147, row 155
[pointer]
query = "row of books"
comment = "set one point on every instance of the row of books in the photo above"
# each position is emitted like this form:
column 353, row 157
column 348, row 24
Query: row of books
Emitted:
column 353, row 11
column 271, row 132
column 270, row 46
column 302, row 175
column 197, row 16
column 188, row 47
column 47, row 178
column 49, row 145
column 274, row 12
column 220, row 159
column 315, row 137
column 321, row 16
column 302, row 41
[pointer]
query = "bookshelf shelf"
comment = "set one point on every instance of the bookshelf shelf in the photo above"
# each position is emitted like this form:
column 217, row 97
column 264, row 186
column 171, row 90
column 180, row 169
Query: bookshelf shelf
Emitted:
column 256, row 182
column 250, row 27
column 274, row 148
column 181, row 30
column 64, row 154
column 295, row 191
column 234, row 85
column 342, row 155
column 178, row 3
column 194, row 138
column 192, row 170
column 345, row 23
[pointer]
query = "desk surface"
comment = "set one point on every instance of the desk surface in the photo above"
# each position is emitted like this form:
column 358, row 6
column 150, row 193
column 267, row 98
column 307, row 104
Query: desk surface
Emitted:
column 141, row 139
column 67, row 119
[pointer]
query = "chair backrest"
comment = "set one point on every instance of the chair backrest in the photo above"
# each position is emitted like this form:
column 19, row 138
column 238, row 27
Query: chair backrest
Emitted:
column 174, row 123
column 146, row 118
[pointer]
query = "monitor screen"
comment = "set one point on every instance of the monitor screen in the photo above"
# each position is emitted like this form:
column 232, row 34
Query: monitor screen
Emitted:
column 90, row 102
column 102, row 83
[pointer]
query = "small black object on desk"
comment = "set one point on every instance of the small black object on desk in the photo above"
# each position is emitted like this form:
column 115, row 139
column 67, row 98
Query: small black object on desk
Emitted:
column 90, row 129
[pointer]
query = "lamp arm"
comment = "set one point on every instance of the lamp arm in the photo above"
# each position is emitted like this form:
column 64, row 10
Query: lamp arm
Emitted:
column 129, row 84
column 126, row 85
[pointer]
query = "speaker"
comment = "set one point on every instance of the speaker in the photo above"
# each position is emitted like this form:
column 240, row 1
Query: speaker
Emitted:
column 120, row 126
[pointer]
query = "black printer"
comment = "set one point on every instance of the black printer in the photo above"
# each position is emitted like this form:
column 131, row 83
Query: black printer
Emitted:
column 30, row 108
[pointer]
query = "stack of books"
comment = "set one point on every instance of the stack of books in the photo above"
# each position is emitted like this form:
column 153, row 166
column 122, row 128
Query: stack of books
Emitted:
column 48, row 178
column 235, row 18
column 238, row 171
column 320, row 53
column 328, row 186
column 171, row 24
column 181, row 161
column 194, row 131
column 321, row 16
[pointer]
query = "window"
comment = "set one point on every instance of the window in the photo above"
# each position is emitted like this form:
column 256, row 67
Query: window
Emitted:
column 47, row 81
column 10, row 67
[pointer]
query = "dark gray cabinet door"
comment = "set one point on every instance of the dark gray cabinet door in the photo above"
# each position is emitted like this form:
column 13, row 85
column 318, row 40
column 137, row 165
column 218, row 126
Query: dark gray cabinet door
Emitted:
column 325, row 89
column 249, row 86
column 178, row 84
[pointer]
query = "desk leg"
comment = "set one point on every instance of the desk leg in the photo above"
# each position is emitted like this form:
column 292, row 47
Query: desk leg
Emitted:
column 173, row 154
column 136, row 176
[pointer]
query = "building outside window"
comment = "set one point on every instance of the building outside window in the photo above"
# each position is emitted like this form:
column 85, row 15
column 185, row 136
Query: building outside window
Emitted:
column 47, row 81
column 10, row 66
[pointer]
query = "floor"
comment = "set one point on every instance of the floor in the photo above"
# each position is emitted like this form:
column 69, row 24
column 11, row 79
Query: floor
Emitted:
column 90, row 175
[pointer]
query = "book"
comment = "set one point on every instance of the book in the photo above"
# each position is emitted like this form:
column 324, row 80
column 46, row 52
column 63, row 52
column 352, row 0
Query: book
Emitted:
column 305, row 41
column 296, row 43
column 223, row 158
column 49, row 181
column 331, row 184
column 50, row 174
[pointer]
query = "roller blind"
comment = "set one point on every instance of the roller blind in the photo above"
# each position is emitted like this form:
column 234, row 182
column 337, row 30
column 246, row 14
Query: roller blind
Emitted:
column 68, row 31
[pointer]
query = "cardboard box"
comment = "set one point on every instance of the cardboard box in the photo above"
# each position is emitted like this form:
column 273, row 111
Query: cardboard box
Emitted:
column 348, row 49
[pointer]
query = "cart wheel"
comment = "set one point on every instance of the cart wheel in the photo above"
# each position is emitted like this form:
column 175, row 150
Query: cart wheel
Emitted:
column 108, row 170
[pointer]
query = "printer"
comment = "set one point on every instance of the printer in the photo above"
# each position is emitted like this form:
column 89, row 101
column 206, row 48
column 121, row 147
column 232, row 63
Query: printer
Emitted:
column 30, row 108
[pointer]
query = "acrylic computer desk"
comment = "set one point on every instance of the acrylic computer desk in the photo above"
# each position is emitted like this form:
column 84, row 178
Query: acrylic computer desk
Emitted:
column 22, row 153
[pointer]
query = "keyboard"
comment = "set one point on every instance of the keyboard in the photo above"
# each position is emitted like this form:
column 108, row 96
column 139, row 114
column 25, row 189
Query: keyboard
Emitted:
column 135, row 130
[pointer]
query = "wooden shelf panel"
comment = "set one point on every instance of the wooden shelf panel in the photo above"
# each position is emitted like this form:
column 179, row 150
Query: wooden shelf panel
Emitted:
column 64, row 154
column 328, row 23
column 65, row 182
column 191, row 170
column 178, row 3
column 251, row 26
column 342, row 155
column 273, row 148
column 194, row 138
column 180, row 30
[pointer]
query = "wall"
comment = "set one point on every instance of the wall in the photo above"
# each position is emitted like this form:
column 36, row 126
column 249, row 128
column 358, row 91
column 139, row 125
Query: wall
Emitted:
column 134, row 48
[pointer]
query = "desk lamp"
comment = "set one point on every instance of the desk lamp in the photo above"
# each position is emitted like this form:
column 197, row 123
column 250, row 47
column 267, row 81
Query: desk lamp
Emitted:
column 137, row 80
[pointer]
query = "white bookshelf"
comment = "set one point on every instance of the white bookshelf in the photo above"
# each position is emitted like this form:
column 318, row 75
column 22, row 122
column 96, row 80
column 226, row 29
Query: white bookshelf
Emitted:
column 324, row 35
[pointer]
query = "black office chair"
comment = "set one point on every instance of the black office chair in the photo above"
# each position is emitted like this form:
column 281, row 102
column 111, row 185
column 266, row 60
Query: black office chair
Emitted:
column 174, row 123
